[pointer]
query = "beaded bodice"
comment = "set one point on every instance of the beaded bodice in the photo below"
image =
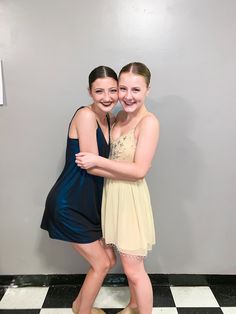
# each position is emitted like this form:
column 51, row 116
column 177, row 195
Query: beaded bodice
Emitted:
column 123, row 148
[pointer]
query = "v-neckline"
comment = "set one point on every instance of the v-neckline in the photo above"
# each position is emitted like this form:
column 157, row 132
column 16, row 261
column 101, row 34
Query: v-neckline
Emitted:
column 109, row 138
column 122, row 135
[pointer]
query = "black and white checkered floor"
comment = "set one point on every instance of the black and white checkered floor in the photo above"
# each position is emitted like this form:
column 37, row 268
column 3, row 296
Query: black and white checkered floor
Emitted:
column 167, row 300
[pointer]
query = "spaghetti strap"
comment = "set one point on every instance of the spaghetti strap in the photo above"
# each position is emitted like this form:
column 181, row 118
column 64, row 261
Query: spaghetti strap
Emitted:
column 73, row 118
column 127, row 132
column 109, row 128
column 98, row 125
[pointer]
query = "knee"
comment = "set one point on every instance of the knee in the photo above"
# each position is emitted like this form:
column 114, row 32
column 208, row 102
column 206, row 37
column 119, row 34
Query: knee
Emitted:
column 112, row 260
column 132, row 275
column 106, row 265
column 103, row 266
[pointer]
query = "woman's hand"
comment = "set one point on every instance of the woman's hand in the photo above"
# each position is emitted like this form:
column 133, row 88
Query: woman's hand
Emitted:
column 86, row 160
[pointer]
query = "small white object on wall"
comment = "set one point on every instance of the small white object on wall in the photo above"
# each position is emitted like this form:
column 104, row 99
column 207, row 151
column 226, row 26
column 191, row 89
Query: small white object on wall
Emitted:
column 1, row 85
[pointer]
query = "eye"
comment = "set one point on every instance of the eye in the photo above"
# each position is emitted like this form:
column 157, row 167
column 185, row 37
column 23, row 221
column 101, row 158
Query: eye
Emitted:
column 113, row 90
column 122, row 89
column 136, row 90
column 98, row 91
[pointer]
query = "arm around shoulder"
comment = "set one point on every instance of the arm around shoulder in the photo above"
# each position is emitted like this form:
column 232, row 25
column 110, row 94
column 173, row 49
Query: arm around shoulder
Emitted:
column 147, row 140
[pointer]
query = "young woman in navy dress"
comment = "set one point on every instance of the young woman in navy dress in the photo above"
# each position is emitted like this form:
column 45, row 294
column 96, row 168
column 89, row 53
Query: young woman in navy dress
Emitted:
column 73, row 206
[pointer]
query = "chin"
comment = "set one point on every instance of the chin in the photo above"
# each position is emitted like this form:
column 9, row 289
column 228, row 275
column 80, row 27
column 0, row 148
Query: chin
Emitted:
column 130, row 108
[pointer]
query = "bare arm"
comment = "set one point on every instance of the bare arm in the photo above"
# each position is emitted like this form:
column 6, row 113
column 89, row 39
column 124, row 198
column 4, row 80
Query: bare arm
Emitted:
column 147, row 142
column 84, row 126
column 96, row 171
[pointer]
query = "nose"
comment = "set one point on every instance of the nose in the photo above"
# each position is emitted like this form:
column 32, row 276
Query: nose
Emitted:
column 107, row 96
column 128, row 95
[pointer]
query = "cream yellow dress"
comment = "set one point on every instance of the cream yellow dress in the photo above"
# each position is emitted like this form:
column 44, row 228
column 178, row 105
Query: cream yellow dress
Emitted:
column 127, row 219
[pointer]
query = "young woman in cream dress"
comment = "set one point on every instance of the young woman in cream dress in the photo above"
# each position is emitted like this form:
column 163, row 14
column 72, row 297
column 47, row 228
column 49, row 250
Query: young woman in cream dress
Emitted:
column 127, row 220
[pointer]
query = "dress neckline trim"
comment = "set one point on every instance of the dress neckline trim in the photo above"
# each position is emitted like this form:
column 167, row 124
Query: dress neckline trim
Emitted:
column 122, row 135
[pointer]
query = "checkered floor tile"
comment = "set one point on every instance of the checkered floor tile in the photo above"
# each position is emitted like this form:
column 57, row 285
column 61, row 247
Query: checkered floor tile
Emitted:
column 167, row 300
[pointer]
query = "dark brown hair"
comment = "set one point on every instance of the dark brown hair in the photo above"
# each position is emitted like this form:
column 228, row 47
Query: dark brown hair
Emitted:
column 101, row 72
column 137, row 68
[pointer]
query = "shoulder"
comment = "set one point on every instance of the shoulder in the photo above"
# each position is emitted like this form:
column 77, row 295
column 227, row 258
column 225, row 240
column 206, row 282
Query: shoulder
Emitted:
column 84, row 118
column 148, row 127
column 149, row 121
column 85, row 113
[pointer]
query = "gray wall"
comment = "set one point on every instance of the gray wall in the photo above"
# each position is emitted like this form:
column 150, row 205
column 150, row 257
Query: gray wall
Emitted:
column 48, row 47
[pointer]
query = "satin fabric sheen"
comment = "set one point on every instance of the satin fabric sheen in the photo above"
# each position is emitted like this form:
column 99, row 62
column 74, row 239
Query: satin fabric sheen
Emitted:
column 73, row 205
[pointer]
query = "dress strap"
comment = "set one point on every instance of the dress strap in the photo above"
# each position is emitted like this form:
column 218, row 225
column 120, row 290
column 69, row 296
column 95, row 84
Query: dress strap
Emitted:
column 73, row 118
column 109, row 127
column 132, row 129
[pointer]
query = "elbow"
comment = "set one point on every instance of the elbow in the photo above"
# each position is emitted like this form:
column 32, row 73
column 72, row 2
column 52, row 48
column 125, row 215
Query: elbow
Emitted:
column 139, row 176
column 141, row 173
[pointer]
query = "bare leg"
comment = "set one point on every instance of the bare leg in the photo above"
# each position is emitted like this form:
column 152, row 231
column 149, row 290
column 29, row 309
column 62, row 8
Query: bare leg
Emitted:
column 100, row 263
column 132, row 302
column 95, row 255
column 111, row 255
column 140, row 283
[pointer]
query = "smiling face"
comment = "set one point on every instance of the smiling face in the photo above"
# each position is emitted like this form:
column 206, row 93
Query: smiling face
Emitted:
column 132, row 91
column 104, row 93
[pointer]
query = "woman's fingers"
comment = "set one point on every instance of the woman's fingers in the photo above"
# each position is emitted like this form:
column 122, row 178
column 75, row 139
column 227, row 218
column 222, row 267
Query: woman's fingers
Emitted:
column 82, row 161
column 80, row 154
column 79, row 162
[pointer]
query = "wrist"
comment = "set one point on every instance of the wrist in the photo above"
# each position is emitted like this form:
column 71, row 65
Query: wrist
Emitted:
column 99, row 161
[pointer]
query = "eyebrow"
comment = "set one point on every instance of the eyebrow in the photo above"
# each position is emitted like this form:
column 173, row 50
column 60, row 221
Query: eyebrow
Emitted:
column 101, row 88
column 131, row 87
column 134, row 87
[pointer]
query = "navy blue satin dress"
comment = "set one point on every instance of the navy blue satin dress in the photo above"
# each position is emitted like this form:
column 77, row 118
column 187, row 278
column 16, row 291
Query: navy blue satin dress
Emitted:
column 73, row 206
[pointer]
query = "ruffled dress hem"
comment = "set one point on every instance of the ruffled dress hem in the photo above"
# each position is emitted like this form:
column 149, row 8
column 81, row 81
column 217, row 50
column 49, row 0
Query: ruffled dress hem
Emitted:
column 137, row 254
